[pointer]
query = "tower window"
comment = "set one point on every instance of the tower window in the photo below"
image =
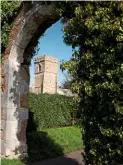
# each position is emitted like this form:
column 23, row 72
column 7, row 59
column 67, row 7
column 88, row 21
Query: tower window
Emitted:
column 40, row 68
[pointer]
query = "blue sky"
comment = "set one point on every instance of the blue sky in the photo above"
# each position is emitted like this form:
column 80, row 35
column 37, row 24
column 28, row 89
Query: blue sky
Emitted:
column 52, row 45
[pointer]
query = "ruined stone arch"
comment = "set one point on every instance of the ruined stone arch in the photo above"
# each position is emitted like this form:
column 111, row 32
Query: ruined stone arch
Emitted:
column 32, row 21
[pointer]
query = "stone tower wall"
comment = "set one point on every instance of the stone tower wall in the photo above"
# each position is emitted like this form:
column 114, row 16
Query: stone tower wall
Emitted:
column 46, row 70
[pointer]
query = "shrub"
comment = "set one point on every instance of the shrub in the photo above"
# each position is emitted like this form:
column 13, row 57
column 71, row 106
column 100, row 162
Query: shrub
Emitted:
column 48, row 111
column 96, row 30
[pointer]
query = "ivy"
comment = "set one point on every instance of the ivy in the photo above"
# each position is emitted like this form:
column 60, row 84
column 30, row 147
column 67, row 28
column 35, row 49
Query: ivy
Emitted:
column 9, row 11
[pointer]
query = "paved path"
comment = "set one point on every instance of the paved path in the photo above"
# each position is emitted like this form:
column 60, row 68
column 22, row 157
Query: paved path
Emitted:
column 73, row 158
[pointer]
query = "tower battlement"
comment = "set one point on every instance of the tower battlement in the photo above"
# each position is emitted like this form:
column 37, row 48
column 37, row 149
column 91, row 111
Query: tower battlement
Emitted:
column 39, row 59
column 45, row 58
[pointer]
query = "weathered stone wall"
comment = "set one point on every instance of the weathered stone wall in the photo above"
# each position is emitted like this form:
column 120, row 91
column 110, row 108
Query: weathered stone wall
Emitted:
column 50, row 75
column 15, row 76
column 50, row 83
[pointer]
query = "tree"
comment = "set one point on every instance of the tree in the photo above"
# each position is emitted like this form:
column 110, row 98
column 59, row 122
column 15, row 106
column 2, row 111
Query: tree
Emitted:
column 96, row 30
column 66, row 84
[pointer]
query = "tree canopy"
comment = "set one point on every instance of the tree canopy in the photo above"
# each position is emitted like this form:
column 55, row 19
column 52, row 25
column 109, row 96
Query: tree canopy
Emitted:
column 95, row 33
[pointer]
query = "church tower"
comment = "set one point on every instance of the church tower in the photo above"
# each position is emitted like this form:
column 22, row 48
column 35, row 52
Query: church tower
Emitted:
column 46, row 70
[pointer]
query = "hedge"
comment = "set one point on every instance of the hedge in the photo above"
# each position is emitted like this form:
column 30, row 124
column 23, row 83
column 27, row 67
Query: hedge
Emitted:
column 50, row 110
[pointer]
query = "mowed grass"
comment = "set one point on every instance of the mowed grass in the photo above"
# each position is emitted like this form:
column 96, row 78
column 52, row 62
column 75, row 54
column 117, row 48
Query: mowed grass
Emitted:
column 69, row 138
column 11, row 162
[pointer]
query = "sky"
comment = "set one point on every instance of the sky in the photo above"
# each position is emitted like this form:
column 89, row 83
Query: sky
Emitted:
column 52, row 44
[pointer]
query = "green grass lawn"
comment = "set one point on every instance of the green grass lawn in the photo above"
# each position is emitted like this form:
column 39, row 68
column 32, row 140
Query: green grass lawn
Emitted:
column 11, row 162
column 69, row 138
column 52, row 142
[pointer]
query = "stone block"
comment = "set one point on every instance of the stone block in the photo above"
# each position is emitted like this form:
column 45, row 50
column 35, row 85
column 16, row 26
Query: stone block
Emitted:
column 11, row 135
column 12, row 128
column 23, row 87
column 17, row 53
column 24, row 101
column 11, row 146
column 23, row 114
column 2, row 146
column 12, row 114
column 3, row 101
column 12, row 84
column 23, row 147
column 24, row 74
column 3, row 114
column 22, row 133
column 3, row 129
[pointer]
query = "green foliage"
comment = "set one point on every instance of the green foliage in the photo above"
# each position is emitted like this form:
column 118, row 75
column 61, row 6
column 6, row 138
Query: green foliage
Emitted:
column 9, row 11
column 51, row 110
column 96, row 35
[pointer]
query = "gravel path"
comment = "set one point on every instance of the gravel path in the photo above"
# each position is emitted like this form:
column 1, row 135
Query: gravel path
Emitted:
column 73, row 158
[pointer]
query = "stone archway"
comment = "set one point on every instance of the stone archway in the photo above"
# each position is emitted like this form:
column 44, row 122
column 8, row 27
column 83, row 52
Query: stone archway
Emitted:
column 30, row 24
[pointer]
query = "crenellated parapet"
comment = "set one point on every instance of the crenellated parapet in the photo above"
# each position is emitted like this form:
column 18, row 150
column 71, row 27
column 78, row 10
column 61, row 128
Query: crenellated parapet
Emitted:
column 39, row 59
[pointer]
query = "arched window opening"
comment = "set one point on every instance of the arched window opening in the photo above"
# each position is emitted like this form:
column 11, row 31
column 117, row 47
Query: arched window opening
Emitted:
column 40, row 67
